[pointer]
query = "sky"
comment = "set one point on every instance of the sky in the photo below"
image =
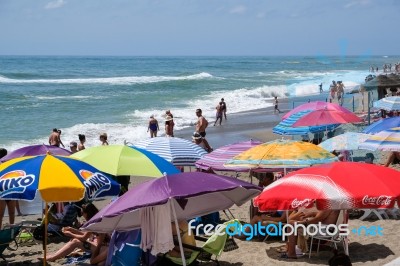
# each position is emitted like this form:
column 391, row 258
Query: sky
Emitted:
column 199, row 27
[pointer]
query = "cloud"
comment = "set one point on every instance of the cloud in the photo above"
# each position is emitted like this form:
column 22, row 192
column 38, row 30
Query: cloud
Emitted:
column 357, row 3
column 55, row 4
column 238, row 10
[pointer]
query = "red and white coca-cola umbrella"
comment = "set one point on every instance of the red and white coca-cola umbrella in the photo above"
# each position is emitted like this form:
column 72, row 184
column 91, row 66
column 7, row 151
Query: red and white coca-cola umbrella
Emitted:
column 337, row 186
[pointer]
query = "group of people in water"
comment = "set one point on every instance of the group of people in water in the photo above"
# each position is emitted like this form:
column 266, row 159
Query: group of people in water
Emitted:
column 55, row 140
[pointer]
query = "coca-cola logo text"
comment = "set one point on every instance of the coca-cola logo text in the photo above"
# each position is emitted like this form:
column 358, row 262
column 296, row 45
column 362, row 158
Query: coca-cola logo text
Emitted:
column 381, row 200
column 300, row 203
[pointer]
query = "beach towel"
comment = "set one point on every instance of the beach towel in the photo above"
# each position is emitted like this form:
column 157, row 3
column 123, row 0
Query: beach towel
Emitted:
column 156, row 229
column 75, row 260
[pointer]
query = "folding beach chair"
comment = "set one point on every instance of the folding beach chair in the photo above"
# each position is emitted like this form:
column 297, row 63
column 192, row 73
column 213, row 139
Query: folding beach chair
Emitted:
column 8, row 236
column 213, row 246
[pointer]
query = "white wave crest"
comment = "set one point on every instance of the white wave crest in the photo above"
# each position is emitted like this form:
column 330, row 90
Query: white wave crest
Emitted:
column 111, row 81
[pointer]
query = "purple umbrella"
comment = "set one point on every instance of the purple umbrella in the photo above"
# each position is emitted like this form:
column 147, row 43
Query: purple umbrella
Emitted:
column 216, row 159
column 189, row 194
column 194, row 193
column 35, row 150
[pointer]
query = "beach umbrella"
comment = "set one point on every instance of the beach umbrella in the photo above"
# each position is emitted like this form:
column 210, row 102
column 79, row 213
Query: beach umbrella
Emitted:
column 282, row 154
column 179, row 152
column 382, row 124
column 387, row 140
column 326, row 117
column 120, row 160
column 56, row 178
column 388, row 103
column 34, row 150
column 346, row 141
column 187, row 195
column 316, row 105
column 334, row 186
column 285, row 127
column 216, row 159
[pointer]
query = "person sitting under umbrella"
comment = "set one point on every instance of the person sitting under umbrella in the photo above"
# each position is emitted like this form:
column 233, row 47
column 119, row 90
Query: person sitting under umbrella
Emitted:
column 86, row 241
column 323, row 216
column 394, row 158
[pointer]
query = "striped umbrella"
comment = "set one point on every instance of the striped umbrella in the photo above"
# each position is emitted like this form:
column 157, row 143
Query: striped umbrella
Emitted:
column 387, row 140
column 346, row 141
column 179, row 152
column 216, row 159
column 388, row 103
column 285, row 126
column 383, row 124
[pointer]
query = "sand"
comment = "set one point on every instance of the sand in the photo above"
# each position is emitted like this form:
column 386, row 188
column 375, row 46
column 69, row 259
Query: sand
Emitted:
column 364, row 250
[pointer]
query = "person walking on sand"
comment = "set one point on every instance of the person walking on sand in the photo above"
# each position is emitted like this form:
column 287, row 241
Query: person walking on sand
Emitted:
column 340, row 92
column 276, row 106
column 223, row 105
column 82, row 140
column 218, row 115
column 332, row 91
column 201, row 126
column 320, row 88
column 153, row 127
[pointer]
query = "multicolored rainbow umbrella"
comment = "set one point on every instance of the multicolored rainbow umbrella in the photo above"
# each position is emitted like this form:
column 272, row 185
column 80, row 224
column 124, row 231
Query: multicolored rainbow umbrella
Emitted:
column 282, row 154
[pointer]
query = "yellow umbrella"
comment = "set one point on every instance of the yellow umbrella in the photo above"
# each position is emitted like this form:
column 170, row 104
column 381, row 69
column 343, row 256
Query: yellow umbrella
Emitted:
column 57, row 178
column 282, row 154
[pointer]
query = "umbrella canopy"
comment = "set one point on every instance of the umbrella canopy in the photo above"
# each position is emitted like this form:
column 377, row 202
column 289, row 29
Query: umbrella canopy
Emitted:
column 120, row 160
column 383, row 124
column 388, row 103
column 285, row 126
column 57, row 178
column 35, row 150
column 179, row 152
column 193, row 194
column 346, row 141
column 216, row 159
column 317, row 105
column 326, row 117
column 340, row 185
column 281, row 154
column 387, row 140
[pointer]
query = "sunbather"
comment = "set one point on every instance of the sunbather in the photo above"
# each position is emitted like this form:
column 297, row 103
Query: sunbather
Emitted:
column 86, row 241
column 325, row 217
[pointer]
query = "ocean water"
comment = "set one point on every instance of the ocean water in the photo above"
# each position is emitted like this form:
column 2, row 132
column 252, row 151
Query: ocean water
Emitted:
column 92, row 95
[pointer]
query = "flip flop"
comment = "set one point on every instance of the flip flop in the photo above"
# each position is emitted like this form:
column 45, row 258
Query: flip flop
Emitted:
column 286, row 257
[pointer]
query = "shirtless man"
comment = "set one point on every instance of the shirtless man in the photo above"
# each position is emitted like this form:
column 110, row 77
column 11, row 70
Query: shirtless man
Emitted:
column 54, row 139
column 218, row 114
column 325, row 217
column 201, row 126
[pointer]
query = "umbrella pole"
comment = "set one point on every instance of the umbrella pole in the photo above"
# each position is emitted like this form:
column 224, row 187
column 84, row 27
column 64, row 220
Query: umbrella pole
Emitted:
column 178, row 233
column 45, row 234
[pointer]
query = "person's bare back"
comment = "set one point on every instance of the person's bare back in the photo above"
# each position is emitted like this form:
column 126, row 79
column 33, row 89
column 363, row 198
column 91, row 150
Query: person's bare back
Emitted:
column 54, row 139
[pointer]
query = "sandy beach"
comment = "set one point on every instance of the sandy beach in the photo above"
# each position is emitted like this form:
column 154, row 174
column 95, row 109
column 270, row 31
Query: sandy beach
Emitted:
column 364, row 250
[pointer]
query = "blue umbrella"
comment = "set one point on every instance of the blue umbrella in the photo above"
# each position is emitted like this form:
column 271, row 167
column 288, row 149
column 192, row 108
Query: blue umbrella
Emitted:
column 388, row 103
column 285, row 126
column 382, row 125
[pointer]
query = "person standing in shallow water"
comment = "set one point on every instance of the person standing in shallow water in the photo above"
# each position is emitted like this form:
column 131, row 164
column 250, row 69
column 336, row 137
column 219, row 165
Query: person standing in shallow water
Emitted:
column 153, row 127
column 223, row 107
column 218, row 114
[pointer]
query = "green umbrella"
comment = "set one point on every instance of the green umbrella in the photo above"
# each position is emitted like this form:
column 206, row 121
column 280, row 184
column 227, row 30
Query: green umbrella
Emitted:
column 120, row 160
